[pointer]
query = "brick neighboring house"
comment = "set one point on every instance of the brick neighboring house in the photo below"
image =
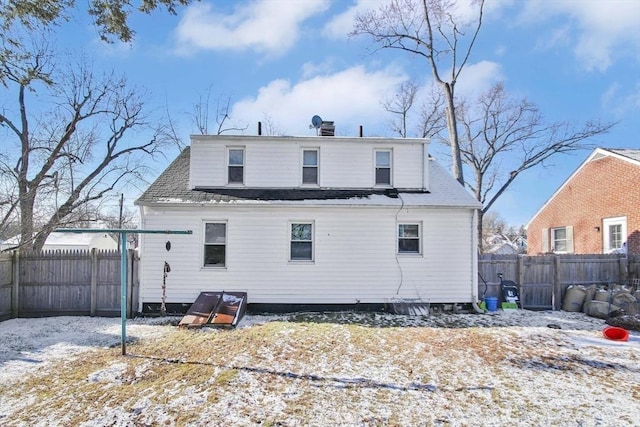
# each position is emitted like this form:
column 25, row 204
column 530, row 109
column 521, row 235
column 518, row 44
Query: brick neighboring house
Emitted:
column 596, row 210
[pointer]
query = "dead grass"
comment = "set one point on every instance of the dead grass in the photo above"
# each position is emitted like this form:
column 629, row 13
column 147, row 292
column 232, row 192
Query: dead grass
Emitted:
column 306, row 372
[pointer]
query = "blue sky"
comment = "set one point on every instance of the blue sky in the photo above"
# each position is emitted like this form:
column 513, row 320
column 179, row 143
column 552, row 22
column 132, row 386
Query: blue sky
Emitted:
column 283, row 61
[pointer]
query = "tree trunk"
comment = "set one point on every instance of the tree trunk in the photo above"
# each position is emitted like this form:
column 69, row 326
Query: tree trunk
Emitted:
column 450, row 111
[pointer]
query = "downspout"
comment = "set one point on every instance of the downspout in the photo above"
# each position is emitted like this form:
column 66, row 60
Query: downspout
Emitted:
column 474, row 258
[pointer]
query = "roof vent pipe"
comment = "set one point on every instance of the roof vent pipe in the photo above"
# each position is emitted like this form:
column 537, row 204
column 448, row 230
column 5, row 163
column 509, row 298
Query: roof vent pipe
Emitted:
column 360, row 131
column 259, row 128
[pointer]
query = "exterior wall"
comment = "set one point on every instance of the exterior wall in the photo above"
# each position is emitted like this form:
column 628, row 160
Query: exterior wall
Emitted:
column 602, row 188
column 355, row 255
column 277, row 162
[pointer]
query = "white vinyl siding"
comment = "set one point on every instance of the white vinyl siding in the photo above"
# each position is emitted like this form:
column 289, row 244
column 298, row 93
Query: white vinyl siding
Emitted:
column 354, row 255
column 272, row 163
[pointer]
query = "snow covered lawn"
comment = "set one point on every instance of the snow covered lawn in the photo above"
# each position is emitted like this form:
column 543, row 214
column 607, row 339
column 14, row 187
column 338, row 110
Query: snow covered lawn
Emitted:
column 521, row 368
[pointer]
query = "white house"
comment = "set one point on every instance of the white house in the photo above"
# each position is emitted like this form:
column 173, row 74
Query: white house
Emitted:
column 70, row 242
column 314, row 221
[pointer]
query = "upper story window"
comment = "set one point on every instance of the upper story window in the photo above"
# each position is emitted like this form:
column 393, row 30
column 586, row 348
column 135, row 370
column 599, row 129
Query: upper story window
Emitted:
column 383, row 167
column 215, row 244
column 301, row 242
column 409, row 238
column 310, row 166
column 235, row 165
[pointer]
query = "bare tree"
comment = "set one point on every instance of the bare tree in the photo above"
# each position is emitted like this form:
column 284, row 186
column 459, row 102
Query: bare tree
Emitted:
column 72, row 140
column 503, row 137
column 435, row 31
column 400, row 105
column 201, row 110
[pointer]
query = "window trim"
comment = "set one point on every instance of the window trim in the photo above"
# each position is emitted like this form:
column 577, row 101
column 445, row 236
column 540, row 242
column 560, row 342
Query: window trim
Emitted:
column 204, row 244
column 419, row 238
column 313, row 246
column 243, row 165
column 375, row 167
column 606, row 241
column 303, row 166
column 568, row 239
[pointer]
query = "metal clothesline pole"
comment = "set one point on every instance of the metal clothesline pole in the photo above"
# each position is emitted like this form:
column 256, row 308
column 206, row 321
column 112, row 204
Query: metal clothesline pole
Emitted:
column 123, row 265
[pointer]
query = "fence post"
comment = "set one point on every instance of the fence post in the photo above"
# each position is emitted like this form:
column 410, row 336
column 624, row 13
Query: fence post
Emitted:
column 623, row 268
column 521, row 279
column 556, row 300
column 94, row 281
column 15, row 290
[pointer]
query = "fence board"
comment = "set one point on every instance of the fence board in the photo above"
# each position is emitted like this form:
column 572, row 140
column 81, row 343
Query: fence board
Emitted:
column 6, row 285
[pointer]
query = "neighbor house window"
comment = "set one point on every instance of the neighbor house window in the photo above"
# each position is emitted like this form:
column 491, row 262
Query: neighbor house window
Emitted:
column 614, row 234
column 383, row 167
column 557, row 239
column 236, row 166
column 310, row 166
column 409, row 238
column 215, row 244
column 562, row 240
column 301, row 242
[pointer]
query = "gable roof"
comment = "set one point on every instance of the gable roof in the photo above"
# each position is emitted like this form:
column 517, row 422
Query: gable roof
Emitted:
column 172, row 188
column 625, row 154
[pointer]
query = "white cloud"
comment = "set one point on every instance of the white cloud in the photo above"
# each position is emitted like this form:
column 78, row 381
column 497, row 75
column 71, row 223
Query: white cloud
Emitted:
column 341, row 25
column 601, row 31
column 260, row 25
column 350, row 98
column 477, row 78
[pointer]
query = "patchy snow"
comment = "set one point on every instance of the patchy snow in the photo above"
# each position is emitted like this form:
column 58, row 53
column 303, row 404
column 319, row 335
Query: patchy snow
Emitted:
column 558, row 370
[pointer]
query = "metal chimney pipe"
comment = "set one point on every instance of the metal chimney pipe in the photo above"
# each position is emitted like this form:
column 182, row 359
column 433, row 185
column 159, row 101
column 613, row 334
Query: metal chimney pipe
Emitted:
column 259, row 128
column 360, row 131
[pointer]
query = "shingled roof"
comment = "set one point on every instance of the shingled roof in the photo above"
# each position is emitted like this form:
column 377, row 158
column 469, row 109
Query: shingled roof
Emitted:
column 626, row 152
column 172, row 187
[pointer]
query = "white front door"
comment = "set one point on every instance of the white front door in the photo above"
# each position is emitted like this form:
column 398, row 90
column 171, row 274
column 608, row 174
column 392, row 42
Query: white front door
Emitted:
column 614, row 234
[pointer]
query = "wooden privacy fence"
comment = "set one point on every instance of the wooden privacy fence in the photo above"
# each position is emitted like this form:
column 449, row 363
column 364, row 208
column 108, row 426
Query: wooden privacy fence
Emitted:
column 61, row 283
column 543, row 280
column 54, row 283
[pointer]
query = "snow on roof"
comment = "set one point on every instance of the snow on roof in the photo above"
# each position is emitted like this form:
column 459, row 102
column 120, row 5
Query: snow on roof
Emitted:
column 62, row 239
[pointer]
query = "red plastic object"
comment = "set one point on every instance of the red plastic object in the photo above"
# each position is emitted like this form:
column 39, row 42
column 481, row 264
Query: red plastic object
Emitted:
column 615, row 333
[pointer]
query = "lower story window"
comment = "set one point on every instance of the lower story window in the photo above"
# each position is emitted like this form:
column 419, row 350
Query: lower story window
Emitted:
column 301, row 242
column 408, row 238
column 215, row 244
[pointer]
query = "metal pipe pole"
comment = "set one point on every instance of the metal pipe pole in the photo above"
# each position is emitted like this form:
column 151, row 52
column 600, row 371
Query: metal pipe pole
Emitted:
column 123, row 289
